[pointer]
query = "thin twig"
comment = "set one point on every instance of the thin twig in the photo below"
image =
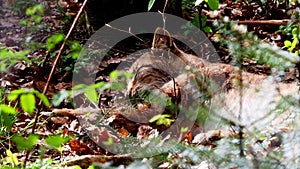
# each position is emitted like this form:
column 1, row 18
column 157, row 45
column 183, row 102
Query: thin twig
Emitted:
column 62, row 47
column 52, row 71
column 129, row 32
column 163, row 14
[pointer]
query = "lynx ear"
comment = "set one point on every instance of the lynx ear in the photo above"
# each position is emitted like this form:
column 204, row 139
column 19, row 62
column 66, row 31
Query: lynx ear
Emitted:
column 162, row 39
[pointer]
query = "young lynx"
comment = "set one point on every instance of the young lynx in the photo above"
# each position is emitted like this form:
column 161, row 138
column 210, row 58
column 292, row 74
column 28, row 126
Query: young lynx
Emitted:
column 257, row 97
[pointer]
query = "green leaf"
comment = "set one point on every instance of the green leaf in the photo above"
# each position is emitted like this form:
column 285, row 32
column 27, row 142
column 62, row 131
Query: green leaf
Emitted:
column 100, row 85
column 3, row 68
column 74, row 45
column 24, row 22
column 287, row 43
column 213, row 4
column 7, row 109
column 6, row 121
column 150, row 4
column 27, row 102
column 75, row 49
column 37, row 18
column 207, row 29
column 15, row 94
column 162, row 119
column 29, row 11
column 103, row 86
column 114, row 75
column 117, row 86
column 25, row 143
column 195, row 21
column 184, row 129
column 37, row 9
column 90, row 167
column 42, row 97
column 12, row 158
column 53, row 40
column 91, row 94
column 128, row 75
column 56, row 141
column 59, row 97
column 154, row 118
column 295, row 32
column 294, row 43
column 79, row 86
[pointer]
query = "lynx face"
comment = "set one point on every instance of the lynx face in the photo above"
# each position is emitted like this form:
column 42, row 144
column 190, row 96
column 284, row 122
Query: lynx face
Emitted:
column 162, row 40
column 152, row 70
column 148, row 81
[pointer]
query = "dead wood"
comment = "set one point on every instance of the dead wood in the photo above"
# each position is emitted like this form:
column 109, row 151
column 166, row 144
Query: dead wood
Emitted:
column 258, row 22
column 86, row 160
column 75, row 112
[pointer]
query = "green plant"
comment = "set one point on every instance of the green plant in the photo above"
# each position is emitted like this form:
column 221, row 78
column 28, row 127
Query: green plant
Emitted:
column 150, row 4
column 246, row 151
column 34, row 24
column 9, row 57
column 15, row 102
column 291, row 45
column 21, row 6
column 7, row 114
column 56, row 141
column 11, row 159
column 162, row 119
column 7, row 119
column 54, row 40
column 245, row 45
column 213, row 4
column 35, row 14
column 25, row 143
column 27, row 100
column 118, row 82
column 200, row 20
column 72, row 53
column 292, row 30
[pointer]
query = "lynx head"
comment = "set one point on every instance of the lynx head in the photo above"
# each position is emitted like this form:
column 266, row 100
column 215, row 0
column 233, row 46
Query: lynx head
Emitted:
column 162, row 39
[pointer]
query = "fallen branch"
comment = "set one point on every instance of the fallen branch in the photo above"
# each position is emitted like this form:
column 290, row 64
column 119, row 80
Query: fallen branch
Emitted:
column 75, row 112
column 258, row 22
column 86, row 160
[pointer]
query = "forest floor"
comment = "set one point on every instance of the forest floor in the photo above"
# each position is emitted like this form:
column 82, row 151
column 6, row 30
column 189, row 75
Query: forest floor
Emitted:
column 23, row 75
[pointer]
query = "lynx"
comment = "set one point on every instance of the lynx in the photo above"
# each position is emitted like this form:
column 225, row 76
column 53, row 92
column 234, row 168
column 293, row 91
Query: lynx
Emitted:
column 150, row 75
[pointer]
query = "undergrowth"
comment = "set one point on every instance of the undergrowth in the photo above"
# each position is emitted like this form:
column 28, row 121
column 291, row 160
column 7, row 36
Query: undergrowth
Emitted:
column 257, row 149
